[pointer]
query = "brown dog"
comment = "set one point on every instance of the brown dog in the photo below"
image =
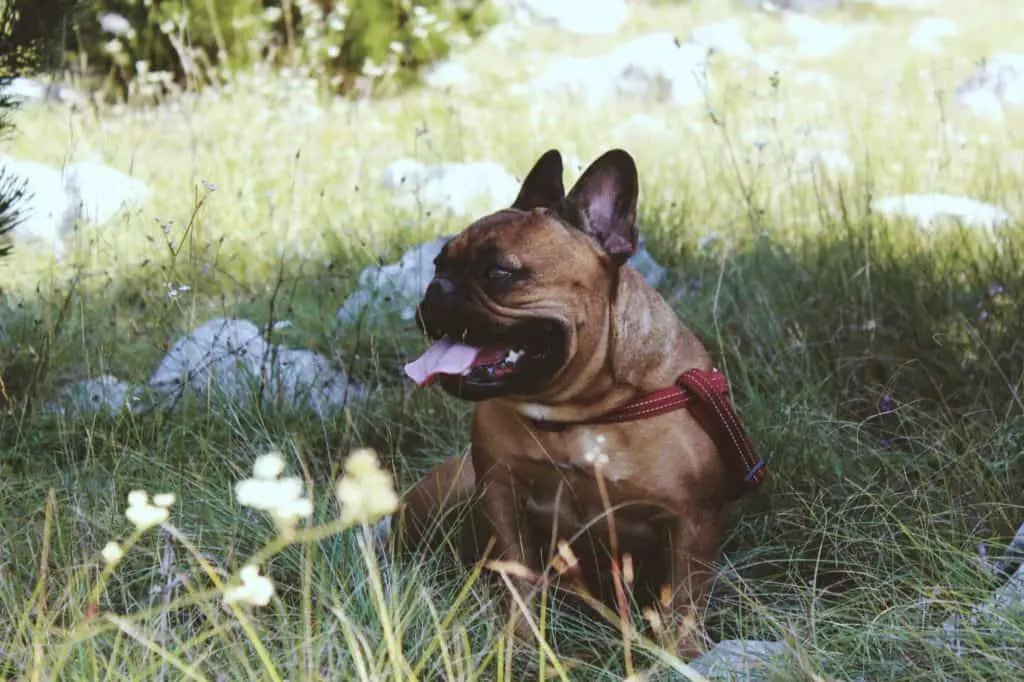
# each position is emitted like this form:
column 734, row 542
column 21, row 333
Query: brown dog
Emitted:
column 580, row 370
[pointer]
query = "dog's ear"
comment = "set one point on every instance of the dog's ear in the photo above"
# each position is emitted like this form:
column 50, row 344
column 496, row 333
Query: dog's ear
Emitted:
column 604, row 200
column 543, row 186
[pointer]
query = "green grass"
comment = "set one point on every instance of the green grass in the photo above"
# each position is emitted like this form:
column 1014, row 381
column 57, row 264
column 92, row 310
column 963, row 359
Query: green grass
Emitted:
column 863, row 542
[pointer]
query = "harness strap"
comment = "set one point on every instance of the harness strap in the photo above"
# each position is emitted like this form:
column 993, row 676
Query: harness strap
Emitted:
column 705, row 394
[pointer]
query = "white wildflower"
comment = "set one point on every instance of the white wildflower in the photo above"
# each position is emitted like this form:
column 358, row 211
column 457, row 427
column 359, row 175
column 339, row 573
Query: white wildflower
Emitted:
column 112, row 552
column 143, row 514
column 254, row 590
column 164, row 500
column 269, row 466
column 366, row 492
column 396, row 47
column 280, row 497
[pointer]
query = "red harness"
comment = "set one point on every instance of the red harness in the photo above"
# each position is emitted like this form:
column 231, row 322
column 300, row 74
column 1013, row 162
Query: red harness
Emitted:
column 706, row 395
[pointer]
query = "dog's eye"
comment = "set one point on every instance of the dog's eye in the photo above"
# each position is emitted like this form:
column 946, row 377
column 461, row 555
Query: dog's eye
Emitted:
column 498, row 272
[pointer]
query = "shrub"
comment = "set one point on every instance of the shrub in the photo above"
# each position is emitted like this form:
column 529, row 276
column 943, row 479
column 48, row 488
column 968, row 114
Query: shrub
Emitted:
column 157, row 42
column 380, row 42
column 149, row 45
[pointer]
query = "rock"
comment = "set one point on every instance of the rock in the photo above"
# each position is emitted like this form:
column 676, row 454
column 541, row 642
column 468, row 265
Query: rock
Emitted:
column 723, row 36
column 998, row 81
column 32, row 91
column 793, row 5
column 101, row 191
column 47, row 212
column 105, row 394
column 991, row 617
column 464, row 189
column 116, row 24
column 447, row 74
column 53, row 201
column 589, row 17
column 227, row 359
column 398, row 287
column 653, row 68
column 221, row 356
column 928, row 34
column 929, row 209
column 649, row 269
column 817, row 39
column 737, row 659
column 834, row 161
column 304, row 380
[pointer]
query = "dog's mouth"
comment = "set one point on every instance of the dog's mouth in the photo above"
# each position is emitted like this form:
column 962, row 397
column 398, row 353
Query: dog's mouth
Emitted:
column 476, row 372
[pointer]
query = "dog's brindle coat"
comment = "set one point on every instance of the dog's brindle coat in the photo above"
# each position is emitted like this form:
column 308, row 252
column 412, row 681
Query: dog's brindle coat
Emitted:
column 606, row 338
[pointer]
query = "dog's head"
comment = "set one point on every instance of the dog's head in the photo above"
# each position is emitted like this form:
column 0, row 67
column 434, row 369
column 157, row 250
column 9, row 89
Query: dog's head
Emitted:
column 521, row 296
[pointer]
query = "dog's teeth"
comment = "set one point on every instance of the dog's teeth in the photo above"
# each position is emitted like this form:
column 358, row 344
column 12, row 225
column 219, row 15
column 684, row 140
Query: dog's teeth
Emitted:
column 513, row 356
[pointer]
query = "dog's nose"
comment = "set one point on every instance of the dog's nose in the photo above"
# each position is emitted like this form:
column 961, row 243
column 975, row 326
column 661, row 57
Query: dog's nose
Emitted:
column 441, row 286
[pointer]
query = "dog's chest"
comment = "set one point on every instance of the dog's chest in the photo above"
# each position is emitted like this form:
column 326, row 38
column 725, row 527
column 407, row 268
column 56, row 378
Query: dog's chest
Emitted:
column 561, row 481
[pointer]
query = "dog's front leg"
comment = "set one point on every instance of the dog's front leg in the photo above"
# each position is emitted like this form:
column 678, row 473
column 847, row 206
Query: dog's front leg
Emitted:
column 695, row 547
column 502, row 509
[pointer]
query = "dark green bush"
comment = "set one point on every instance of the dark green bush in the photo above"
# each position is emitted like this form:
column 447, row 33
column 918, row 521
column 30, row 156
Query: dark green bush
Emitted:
column 385, row 41
column 348, row 43
column 140, row 40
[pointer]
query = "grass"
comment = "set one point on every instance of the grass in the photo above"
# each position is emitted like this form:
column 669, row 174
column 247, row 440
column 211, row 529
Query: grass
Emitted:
column 879, row 368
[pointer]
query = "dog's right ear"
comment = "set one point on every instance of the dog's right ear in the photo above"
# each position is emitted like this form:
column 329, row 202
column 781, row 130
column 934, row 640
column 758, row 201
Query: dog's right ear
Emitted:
column 543, row 186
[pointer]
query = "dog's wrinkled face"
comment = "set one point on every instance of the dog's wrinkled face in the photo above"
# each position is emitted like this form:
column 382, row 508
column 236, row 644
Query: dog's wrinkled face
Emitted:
column 514, row 293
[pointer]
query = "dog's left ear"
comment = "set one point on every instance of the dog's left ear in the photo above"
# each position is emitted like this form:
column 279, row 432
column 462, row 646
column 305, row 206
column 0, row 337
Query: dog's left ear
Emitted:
column 604, row 199
column 543, row 186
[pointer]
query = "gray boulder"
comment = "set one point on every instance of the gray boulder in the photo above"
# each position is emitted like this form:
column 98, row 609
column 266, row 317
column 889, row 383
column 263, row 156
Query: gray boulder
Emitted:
column 587, row 17
column 227, row 360
column 930, row 211
column 47, row 211
column 740, row 660
column 53, row 201
column 655, row 67
column 997, row 82
column 102, row 192
column 103, row 395
column 463, row 189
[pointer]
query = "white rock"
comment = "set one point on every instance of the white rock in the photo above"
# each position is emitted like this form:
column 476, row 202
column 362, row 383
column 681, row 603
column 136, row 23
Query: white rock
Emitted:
column 47, row 212
column 116, row 25
column 462, row 188
column 654, row 68
column 398, row 287
column 816, row 38
column 102, row 192
column 834, row 161
column 929, row 209
column 227, row 359
column 31, row 91
column 223, row 356
column 27, row 91
column 304, row 380
column 928, row 34
column 737, row 659
column 102, row 394
column 724, row 36
column 395, row 287
column 591, row 17
column 447, row 74
column 997, row 82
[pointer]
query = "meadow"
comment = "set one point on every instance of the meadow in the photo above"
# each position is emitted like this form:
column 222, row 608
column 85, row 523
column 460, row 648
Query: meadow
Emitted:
column 878, row 366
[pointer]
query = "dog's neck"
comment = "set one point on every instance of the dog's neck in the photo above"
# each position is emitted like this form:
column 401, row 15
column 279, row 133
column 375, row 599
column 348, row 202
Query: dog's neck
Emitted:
column 644, row 347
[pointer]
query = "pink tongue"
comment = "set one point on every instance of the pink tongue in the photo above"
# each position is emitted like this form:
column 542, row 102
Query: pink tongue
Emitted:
column 443, row 357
